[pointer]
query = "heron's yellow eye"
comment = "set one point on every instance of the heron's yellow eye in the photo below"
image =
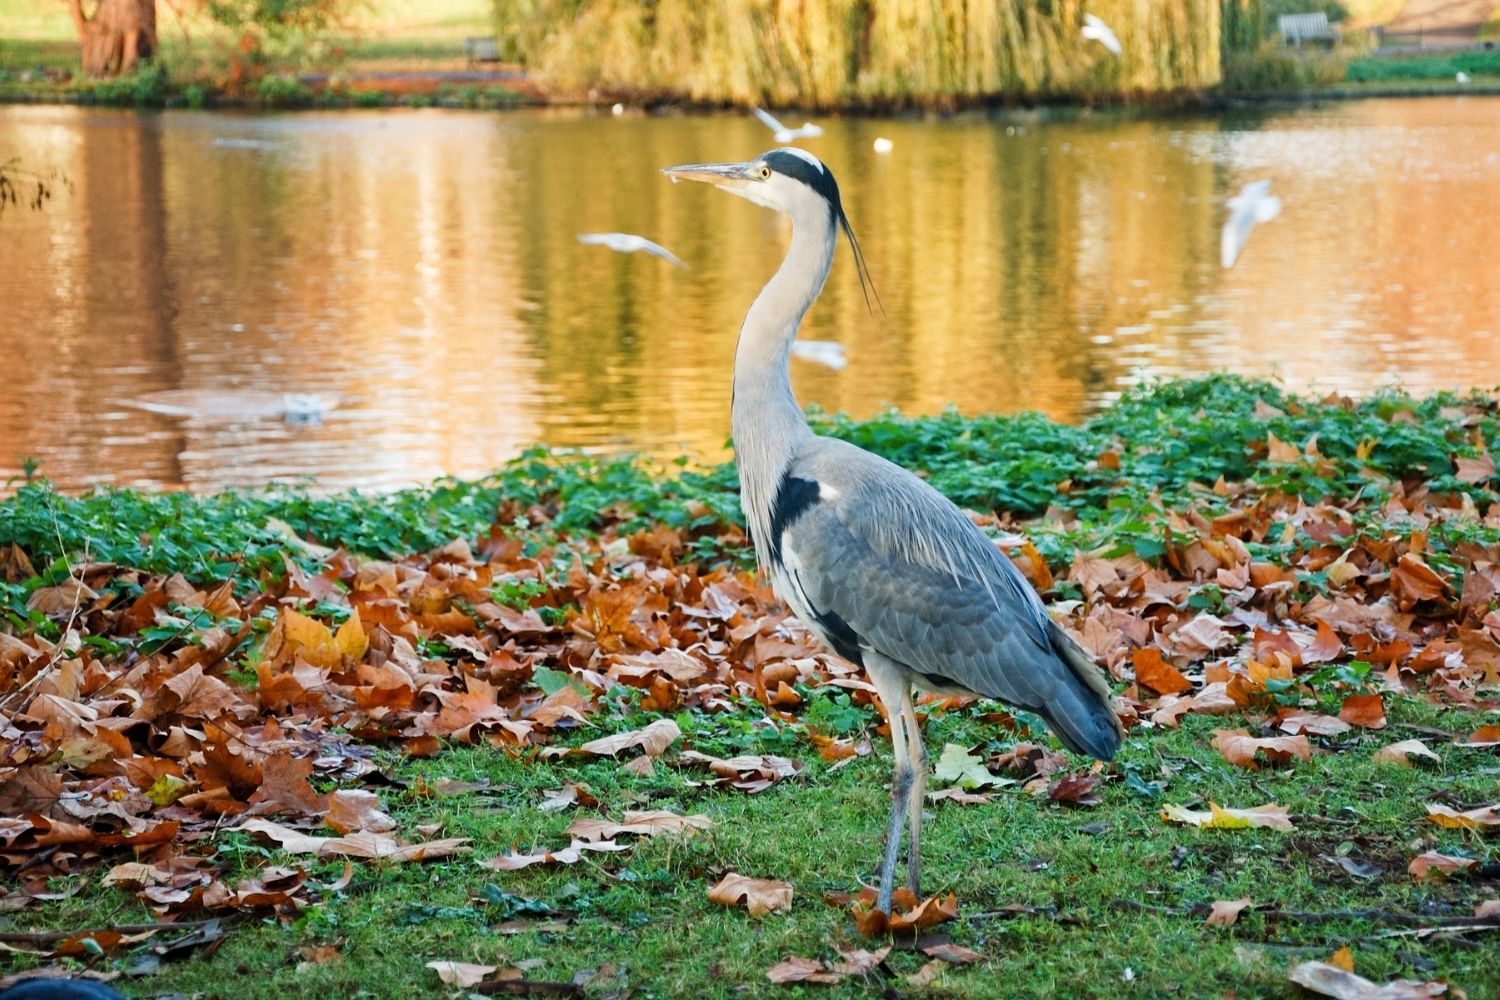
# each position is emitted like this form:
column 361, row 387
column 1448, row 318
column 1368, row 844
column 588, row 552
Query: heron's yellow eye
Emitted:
column 765, row 172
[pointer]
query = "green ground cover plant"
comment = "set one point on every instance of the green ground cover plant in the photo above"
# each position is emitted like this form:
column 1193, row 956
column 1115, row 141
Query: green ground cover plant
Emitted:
column 527, row 724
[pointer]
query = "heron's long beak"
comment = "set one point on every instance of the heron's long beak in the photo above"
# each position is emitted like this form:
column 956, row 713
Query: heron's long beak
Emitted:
column 730, row 175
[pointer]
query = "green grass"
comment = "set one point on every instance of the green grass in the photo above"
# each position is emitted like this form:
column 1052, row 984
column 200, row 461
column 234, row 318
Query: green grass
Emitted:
column 1430, row 67
column 646, row 912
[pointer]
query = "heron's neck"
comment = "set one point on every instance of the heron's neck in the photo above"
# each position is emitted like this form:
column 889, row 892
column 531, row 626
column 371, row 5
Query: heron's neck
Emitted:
column 768, row 425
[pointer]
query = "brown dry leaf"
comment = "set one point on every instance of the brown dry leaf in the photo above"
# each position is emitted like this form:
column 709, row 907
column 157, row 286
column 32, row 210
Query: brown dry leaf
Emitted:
column 1489, row 909
column 461, row 974
column 1413, row 581
column 1157, row 675
column 959, row 796
column 646, row 824
column 1331, row 981
column 1367, row 710
column 1272, row 817
column 654, row 739
column 1278, row 450
column 1474, row 470
column 1434, row 865
column 1402, row 753
column 569, row 855
column 355, row 845
column 797, row 969
column 1484, row 736
column 1314, row 723
column 1483, row 818
column 928, row 973
column 351, row 810
column 907, row 915
column 1074, row 789
column 1239, row 748
column 284, row 786
column 956, row 954
column 760, row 896
column 1224, row 912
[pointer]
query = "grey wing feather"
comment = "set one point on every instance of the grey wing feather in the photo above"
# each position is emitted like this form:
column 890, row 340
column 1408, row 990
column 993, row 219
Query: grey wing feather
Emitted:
column 913, row 577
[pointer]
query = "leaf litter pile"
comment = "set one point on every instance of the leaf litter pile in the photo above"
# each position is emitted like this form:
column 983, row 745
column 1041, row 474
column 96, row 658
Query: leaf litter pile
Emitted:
column 1295, row 569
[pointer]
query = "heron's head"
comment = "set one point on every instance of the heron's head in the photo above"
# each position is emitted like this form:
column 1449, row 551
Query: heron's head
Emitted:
column 792, row 181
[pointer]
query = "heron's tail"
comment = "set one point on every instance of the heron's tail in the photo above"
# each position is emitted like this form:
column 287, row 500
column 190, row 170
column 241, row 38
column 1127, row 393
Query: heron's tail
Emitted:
column 1080, row 712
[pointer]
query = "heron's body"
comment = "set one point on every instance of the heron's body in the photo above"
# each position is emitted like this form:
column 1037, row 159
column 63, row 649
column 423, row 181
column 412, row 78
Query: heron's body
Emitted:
column 883, row 568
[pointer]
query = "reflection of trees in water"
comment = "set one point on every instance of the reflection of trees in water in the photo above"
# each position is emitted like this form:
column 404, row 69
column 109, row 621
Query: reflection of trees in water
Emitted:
column 20, row 185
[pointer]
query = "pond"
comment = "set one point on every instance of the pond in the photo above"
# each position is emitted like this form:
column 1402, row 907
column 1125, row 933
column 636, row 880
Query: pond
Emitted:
column 419, row 272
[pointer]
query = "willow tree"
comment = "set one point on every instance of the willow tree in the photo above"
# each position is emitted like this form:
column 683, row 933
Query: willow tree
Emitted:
column 116, row 36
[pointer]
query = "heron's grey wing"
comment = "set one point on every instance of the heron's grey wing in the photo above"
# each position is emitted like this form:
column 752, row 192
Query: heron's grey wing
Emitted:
column 769, row 121
column 880, row 560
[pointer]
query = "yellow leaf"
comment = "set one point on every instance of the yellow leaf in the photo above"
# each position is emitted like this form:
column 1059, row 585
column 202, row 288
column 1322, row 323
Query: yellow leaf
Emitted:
column 309, row 637
column 351, row 639
column 1342, row 959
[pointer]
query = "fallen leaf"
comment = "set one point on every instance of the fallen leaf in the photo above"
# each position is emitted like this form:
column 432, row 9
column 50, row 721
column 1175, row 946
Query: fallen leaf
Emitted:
column 1331, row 981
column 1271, row 817
column 760, row 896
column 957, row 766
column 801, row 970
column 654, row 739
column 569, row 855
column 1239, row 748
column 351, row 810
column 953, row 953
column 1157, row 675
column 1435, row 865
column 1483, row 818
column 1484, row 736
column 1224, row 912
column 646, row 824
column 1487, row 910
column 959, row 796
column 1367, row 710
column 928, row 973
column 1401, row 753
column 907, row 915
column 356, row 845
column 461, row 974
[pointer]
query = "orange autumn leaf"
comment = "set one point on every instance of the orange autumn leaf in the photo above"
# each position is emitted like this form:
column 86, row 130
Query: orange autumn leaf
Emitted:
column 1413, row 581
column 1367, row 710
column 760, row 896
column 1434, row 864
column 1159, row 676
column 908, row 916
column 1239, row 748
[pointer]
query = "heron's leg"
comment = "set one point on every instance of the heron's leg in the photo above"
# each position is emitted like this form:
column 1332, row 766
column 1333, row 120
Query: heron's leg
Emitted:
column 916, row 795
column 894, row 690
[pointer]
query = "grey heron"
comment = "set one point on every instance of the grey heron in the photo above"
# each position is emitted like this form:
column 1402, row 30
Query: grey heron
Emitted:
column 785, row 135
column 630, row 243
column 888, row 572
column 1254, row 204
column 1096, row 30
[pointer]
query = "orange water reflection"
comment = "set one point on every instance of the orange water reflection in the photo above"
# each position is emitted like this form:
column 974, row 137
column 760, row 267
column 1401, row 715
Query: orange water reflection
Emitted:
column 423, row 268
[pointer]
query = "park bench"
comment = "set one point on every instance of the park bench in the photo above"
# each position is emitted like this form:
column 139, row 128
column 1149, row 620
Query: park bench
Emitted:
column 481, row 49
column 1311, row 27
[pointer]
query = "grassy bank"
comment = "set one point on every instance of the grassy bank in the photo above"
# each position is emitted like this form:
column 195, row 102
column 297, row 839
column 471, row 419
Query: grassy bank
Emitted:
column 411, row 666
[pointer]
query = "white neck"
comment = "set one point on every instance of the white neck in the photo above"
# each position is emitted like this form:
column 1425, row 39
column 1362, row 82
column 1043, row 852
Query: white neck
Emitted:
column 768, row 425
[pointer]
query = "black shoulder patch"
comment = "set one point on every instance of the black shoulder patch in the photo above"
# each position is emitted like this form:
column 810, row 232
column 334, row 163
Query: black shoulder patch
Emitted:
column 845, row 640
column 818, row 177
column 794, row 497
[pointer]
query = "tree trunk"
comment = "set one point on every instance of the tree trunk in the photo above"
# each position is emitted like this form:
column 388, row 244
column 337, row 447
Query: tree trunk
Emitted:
column 120, row 34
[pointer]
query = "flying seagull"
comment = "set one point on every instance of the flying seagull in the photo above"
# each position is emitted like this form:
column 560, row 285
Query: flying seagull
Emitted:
column 626, row 243
column 1096, row 30
column 1253, row 204
column 823, row 352
column 785, row 135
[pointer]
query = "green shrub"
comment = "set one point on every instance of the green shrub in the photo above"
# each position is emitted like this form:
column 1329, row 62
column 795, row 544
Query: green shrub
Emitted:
column 1273, row 68
column 195, row 95
column 283, row 91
